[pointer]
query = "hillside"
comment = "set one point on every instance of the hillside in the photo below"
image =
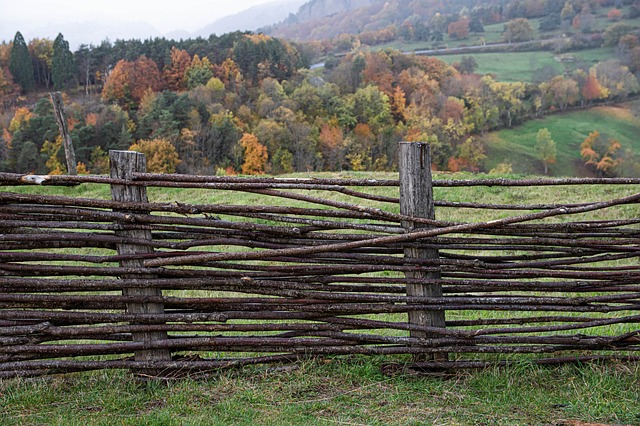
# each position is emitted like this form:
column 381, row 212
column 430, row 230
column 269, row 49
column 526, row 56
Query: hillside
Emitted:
column 317, row 9
column 324, row 19
column 517, row 146
column 252, row 18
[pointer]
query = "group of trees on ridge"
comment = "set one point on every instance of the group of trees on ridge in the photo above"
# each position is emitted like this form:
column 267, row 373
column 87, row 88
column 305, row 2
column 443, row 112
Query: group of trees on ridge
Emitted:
column 430, row 20
column 248, row 103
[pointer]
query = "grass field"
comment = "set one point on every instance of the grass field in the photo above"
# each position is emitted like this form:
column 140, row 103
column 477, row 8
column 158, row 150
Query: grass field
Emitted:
column 522, row 66
column 516, row 146
column 326, row 392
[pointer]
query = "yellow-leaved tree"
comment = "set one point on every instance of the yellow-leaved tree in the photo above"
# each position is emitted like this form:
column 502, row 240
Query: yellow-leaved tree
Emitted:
column 161, row 155
column 255, row 155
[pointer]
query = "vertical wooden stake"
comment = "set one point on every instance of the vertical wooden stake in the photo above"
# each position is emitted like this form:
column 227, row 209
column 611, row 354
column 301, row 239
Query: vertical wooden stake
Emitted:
column 123, row 165
column 416, row 199
column 70, row 155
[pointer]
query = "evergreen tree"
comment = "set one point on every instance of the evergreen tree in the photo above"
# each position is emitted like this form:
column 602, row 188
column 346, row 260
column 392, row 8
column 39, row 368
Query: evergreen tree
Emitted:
column 62, row 66
column 20, row 63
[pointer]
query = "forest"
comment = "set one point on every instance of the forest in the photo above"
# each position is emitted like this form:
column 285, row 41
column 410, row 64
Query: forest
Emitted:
column 249, row 103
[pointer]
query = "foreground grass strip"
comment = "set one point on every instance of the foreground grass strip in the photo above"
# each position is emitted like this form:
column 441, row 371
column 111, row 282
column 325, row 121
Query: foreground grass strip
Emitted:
column 328, row 391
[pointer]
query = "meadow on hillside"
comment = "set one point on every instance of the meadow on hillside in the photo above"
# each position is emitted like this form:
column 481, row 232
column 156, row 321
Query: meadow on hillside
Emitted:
column 517, row 146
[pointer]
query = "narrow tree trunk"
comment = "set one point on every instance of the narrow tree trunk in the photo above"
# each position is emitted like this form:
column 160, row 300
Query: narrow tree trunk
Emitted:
column 70, row 155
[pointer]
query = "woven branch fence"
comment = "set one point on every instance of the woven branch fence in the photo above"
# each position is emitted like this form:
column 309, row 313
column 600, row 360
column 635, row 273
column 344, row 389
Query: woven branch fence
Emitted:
column 168, row 288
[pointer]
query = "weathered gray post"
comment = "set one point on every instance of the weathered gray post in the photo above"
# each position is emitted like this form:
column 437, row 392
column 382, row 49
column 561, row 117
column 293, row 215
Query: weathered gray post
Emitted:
column 416, row 199
column 123, row 165
column 61, row 118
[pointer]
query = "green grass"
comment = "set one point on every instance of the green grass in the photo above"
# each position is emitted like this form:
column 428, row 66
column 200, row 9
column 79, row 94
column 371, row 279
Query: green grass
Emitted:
column 516, row 146
column 522, row 66
column 331, row 391
column 509, row 66
column 519, row 66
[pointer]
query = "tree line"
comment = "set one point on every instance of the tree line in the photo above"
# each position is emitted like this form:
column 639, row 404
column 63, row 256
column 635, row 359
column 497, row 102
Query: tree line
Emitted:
column 247, row 103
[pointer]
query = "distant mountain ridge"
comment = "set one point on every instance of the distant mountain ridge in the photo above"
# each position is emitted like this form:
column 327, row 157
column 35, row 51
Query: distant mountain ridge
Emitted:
column 316, row 9
column 253, row 18
column 325, row 19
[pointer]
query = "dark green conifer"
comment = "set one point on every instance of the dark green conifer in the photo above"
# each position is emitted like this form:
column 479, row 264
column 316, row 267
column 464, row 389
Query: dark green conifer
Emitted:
column 20, row 64
column 62, row 66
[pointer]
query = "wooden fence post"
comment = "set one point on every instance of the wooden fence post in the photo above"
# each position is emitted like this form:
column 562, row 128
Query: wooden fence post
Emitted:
column 416, row 199
column 123, row 165
column 61, row 118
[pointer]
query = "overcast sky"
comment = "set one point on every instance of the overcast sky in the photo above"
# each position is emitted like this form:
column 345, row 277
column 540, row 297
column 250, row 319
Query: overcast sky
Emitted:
column 29, row 16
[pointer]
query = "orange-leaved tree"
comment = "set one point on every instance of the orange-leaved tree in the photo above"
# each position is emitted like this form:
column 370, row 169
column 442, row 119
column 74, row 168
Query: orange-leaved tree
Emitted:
column 600, row 153
column 592, row 89
column 255, row 155
column 161, row 155
column 332, row 145
column 174, row 73
column 129, row 81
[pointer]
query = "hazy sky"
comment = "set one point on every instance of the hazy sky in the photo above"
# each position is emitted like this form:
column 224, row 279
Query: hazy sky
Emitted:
column 165, row 16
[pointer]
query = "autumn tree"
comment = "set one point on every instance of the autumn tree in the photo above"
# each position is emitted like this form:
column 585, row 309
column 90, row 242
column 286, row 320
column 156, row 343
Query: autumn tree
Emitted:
column 174, row 72
column 20, row 64
column 360, row 148
column 128, row 82
column 458, row 29
column 5, row 84
column 398, row 105
column 545, row 148
column 600, row 153
column 255, row 155
column 517, row 30
column 592, row 89
column 470, row 154
column 617, row 79
column 560, row 92
column 41, row 51
column 452, row 110
column 507, row 96
column 161, row 155
column 55, row 158
column 378, row 70
column 614, row 14
column 583, row 22
column 20, row 118
column 332, row 146
column 199, row 72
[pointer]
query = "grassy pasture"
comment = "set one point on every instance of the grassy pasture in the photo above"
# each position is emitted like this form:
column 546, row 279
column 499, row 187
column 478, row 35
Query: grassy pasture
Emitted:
column 522, row 66
column 516, row 146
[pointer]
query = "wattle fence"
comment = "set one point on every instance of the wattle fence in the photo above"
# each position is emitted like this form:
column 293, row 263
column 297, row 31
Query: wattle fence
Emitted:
column 169, row 288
